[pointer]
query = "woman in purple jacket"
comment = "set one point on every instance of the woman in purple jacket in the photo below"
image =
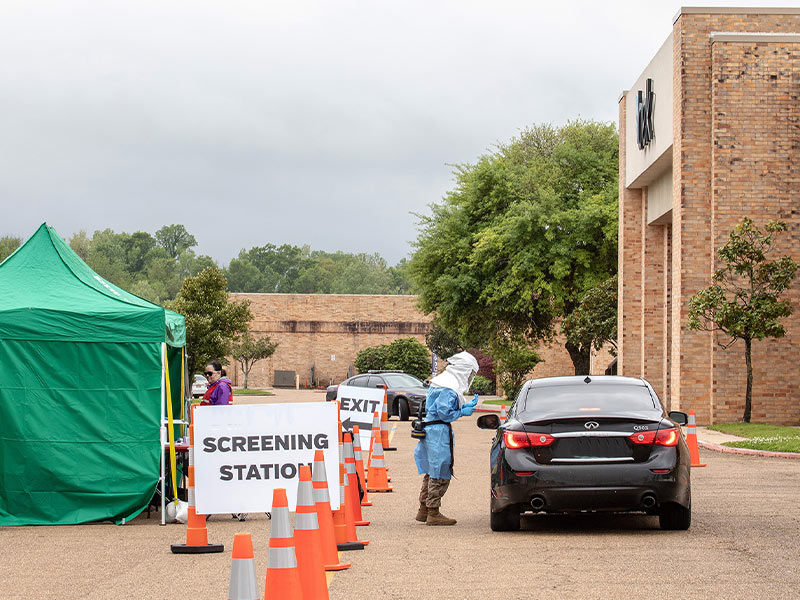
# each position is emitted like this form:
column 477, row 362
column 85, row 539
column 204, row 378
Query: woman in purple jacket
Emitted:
column 220, row 391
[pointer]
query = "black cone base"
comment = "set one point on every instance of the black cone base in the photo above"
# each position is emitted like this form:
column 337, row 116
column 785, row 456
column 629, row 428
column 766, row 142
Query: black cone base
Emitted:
column 389, row 449
column 350, row 546
column 208, row 549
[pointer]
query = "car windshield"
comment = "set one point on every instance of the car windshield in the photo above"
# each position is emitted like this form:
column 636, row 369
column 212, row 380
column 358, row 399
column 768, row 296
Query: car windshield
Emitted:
column 585, row 399
column 199, row 379
column 402, row 380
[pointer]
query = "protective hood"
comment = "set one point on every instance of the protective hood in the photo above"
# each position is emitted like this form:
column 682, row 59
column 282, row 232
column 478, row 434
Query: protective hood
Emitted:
column 458, row 374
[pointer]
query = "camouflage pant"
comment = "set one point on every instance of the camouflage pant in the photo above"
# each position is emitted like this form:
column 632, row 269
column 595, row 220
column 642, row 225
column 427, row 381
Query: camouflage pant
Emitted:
column 432, row 491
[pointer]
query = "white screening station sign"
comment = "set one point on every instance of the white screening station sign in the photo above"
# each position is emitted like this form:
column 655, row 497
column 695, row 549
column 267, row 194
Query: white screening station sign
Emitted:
column 357, row 405
column 243, row 452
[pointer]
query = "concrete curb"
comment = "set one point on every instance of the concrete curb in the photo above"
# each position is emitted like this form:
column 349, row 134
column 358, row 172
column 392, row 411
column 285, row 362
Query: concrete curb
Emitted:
column 751, row 452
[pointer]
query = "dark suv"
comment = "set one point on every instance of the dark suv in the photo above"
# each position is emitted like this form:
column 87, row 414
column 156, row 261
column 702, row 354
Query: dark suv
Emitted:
column 404, row 392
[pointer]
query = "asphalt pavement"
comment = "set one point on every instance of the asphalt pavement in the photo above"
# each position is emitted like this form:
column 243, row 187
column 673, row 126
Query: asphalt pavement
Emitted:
column 742, row 543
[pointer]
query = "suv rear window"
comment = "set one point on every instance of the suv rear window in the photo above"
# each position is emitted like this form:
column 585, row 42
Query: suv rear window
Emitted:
column 586, row 399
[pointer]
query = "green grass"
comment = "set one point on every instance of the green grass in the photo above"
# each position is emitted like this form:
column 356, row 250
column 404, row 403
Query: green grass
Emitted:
column 773, row 438
column 251, row 392
column 499, row 401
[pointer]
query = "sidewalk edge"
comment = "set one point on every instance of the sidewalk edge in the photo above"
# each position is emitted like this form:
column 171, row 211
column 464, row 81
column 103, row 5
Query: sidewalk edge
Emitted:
column 751, row 452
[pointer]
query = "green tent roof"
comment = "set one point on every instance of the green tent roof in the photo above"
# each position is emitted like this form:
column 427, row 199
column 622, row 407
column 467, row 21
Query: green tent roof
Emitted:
column 49, row 293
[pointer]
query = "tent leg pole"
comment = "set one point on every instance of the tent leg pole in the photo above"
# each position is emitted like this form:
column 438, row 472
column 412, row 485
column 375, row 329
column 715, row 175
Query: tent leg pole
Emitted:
column 161, row 439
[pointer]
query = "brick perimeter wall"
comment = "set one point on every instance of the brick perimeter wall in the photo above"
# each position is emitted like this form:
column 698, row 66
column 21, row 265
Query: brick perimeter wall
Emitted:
column 310, row 328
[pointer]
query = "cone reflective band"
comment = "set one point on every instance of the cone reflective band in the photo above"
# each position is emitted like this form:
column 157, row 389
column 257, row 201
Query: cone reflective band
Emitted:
column 691, row 441
column 352, row 480
column 307, row 539
column 503, row 413
column 243, row 585
column 283, row 576
column 196, row 532
column 376, row 426
column 319, row 481
column 385, row 423
column 377, row 480
column 360, row 465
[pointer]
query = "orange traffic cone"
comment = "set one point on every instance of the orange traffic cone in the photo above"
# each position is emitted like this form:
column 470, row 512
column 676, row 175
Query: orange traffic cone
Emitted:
column 243, row 585
column 322, row 500
column 376, row 426
column 376, row 479
column 196, row 532
column 352, row 480
column 360, row 465
column 308, row 541
column 283, row 576
column 343, row 520
column 385, row 423
column 691, row 441
column 503, row 413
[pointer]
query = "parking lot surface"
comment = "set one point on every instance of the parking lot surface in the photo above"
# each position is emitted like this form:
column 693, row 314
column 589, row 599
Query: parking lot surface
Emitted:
column 743, row 543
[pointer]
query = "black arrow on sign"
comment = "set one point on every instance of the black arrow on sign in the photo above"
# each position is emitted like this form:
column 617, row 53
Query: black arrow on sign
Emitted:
column 349, row 424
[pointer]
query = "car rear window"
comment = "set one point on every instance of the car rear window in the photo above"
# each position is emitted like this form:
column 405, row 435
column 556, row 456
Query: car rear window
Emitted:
column 397, row 380
column 587, row 399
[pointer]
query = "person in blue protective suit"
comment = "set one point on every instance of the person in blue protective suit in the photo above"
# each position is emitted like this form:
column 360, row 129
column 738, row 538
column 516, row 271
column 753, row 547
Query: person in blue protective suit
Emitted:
column 444, row 404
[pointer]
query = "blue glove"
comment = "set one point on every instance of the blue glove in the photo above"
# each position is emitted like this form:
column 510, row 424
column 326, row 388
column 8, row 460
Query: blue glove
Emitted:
column 469, row 407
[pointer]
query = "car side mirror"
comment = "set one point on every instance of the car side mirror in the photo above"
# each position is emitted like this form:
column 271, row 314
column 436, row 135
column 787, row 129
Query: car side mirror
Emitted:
column 679, row 417
column 488, row 422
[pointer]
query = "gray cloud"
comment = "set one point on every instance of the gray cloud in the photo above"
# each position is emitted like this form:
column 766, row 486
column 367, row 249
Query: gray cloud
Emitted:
column 321, row 123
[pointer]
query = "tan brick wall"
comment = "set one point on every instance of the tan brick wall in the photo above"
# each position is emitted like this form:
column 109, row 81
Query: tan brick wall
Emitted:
column 310, row 328
column 735, row 142
column 755, row 120
column 629, row 300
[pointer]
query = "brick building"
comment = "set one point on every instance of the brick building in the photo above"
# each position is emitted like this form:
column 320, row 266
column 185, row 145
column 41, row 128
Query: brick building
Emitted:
column 709, row 133
column 327, row 330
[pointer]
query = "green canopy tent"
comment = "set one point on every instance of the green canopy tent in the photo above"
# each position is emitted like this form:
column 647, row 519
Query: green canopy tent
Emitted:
column 82, row 391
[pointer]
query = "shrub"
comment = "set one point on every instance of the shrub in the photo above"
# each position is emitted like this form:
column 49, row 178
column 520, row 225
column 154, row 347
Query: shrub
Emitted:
column 405, row 354
column 481, row 385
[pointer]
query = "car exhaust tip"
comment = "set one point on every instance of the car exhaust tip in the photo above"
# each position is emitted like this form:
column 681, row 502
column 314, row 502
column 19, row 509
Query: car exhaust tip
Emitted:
column 537, row 503
column 648, row 501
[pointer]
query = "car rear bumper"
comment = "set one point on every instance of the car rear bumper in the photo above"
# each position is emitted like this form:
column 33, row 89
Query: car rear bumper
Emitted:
column 601, row 487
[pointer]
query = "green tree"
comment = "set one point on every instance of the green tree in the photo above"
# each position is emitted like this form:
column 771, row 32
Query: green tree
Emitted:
column 8, row 244
column 513, row 361
column 524, row 234
column 175, row 239
column 441, row 341
column 594, row 322
column 404, row 354
column 744, row 300
column 249, row 350
column 213, row 322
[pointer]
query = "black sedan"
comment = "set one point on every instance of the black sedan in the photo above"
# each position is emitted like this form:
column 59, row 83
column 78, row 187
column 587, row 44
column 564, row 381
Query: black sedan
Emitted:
column 404, row 394
column 599, row 443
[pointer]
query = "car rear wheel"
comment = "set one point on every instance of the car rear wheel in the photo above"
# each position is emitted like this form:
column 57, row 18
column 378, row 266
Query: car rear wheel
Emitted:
column 402, row 409
column 507, row 520
column 673, row 516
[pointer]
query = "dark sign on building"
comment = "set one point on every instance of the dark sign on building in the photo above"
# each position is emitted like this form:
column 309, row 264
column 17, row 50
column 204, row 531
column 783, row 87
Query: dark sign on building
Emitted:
column 645, row 102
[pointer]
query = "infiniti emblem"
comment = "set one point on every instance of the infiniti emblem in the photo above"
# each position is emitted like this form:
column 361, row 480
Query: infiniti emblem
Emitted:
column 591, row 425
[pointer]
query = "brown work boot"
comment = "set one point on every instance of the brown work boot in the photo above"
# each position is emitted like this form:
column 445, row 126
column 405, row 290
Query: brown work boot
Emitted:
column 437, row 518
column 422, row 513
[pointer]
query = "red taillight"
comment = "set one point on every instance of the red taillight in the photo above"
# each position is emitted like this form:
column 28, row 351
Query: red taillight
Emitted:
column 519, row 439
column 663, row 437
column 667, row 437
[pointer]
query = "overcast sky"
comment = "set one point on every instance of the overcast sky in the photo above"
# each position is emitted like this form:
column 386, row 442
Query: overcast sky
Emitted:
column 324, row 123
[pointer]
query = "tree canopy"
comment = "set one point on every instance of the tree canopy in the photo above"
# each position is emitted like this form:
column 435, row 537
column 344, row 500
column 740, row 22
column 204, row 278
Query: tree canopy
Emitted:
column 213, row 321
column 525, row 232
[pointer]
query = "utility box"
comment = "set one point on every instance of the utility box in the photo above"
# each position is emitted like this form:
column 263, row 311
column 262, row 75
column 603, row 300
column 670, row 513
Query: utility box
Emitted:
column 284, row 379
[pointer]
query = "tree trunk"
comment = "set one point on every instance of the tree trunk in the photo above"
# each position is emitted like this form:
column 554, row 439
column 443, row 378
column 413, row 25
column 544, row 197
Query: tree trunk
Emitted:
column 246, row 371
column 580, row 358
column 748, row 395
